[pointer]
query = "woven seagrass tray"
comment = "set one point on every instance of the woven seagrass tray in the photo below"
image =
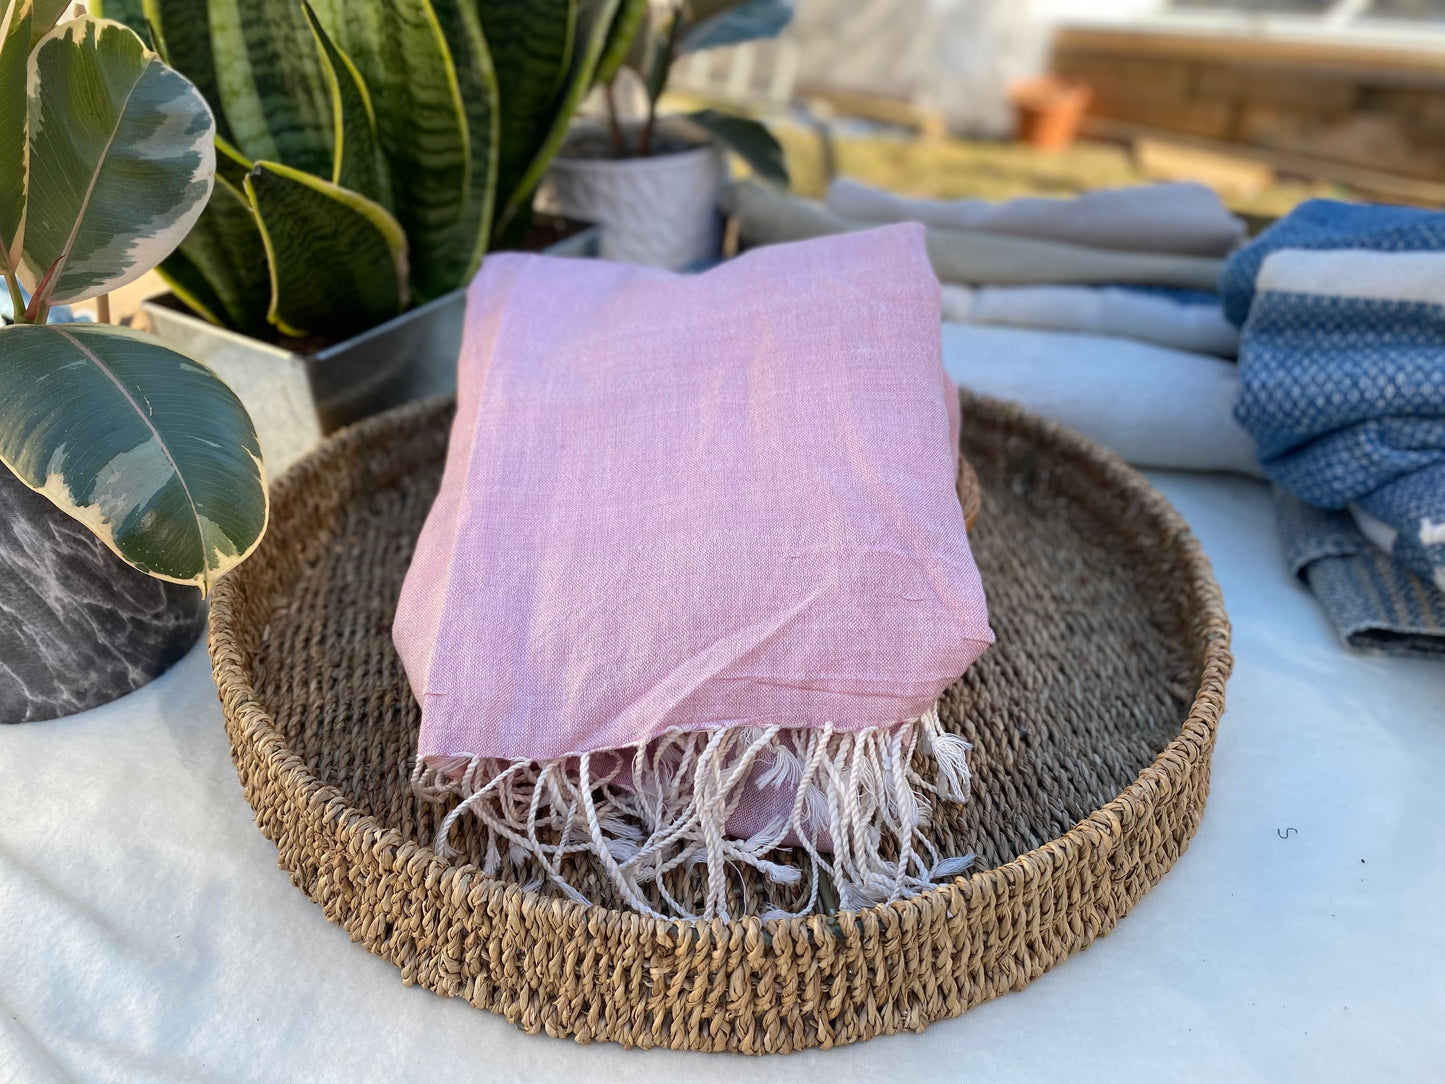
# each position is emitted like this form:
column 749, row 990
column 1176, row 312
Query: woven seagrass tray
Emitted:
column 1092, row 721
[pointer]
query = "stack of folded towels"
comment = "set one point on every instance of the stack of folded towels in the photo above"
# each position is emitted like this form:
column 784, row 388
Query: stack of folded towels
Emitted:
column 1099, row 311
column 1120, row 313
column 1342, row 365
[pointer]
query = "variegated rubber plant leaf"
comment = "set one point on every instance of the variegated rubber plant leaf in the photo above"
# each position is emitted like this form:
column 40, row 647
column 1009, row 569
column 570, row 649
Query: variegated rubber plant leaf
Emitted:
column 338, row 260
column 120, row 161
column 144, row 446
column 594, row 21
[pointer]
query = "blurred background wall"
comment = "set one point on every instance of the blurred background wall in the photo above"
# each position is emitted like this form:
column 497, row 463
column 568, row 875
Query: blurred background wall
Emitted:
column 1344, row 91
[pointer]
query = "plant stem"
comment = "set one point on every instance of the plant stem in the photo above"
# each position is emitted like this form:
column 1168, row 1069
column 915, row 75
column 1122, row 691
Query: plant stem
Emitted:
column 644, row 141
column 102, row 308
column 619, row 141
column 17, row 300
column 658, row 83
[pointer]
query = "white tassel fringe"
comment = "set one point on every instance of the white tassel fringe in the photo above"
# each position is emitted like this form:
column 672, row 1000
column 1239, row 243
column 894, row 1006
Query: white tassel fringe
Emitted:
column 856, row 790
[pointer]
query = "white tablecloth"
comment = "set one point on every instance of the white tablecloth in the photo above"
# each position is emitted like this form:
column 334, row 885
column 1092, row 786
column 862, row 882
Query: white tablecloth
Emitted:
column 146, row 933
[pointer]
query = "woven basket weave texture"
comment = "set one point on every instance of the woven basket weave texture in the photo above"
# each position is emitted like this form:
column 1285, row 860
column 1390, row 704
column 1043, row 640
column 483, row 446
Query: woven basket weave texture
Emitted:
column 1092, row 720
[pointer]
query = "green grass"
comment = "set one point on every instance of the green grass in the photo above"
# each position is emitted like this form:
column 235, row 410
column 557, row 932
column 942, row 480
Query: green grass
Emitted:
column 954, row 168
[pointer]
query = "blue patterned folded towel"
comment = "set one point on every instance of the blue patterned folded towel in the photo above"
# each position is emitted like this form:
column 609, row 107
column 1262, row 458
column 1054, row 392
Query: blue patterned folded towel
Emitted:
column 1375, row 603
column 1328, row 224
column 1342, row 368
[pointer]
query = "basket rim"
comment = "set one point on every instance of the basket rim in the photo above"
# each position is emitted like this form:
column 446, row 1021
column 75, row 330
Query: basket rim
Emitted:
column 324, row 802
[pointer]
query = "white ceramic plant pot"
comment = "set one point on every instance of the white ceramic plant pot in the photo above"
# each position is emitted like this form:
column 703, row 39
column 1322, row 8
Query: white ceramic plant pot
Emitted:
column 661, row 210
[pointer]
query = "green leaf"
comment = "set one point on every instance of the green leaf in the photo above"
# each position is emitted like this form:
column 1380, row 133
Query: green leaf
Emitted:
column 531, row 46
column 749, row 140
column 121, row 159
column 718, row 23
column 220, row 270
column 14, row 56
column 231, row 164
column 337, row 259
column 399, row 47
column 357, row 162
column 594, row 20
column 477, row 81
column 184, row 30
column 141, row 444
column 44, row 14
column 270, row 78
column 629, row 20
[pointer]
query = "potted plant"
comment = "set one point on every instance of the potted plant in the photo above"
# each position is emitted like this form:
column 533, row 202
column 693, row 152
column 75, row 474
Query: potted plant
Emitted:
column 369, row 153
column 131, row 475
column 653, row 184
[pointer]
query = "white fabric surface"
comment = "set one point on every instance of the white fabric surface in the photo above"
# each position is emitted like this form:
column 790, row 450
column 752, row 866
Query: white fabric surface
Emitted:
column 1181, row 217
column 1154, row 406
column 1355, row 272
column 149, row 936
column 1098, row 310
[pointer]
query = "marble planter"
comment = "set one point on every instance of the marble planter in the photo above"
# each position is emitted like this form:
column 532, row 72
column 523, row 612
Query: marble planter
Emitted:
column 78, row 626
column 297, row 399
column 661, row 210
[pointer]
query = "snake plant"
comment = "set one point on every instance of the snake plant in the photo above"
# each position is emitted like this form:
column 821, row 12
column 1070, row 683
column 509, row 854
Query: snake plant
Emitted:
column 106, row 161
column 368, row 151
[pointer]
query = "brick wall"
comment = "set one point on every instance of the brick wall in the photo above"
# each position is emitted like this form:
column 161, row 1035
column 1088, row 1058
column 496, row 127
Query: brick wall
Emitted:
column 1363, row 106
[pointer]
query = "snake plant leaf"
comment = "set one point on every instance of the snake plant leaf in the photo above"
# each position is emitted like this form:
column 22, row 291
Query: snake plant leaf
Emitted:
column 44, row 14
column 594, row 20
column 749, row 140
column 531, row 45
column 14, row 56
column 144, row 446
column 132, row 13
column 338, row 260
column 183, row 32
column 269, row 75
column 626, row 24
column 220, row 269
column 231, row 164
column 120, row 159
column 477, row 82
column 402, row 53
column 357, row 162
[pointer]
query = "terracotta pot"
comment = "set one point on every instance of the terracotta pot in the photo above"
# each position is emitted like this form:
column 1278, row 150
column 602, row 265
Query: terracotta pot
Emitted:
column 1050, row 110
column 660, row 210
column 78, row 626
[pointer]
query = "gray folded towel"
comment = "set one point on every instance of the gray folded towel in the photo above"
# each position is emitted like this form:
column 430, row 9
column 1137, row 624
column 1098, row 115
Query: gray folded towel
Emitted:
column 972, row 258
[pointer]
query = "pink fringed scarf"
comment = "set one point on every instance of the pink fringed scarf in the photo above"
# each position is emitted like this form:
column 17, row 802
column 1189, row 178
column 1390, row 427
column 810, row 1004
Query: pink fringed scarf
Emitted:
column 697, row 573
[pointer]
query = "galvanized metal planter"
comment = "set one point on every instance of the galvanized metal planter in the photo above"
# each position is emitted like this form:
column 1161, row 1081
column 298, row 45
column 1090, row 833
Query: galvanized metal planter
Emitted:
column 295, row 399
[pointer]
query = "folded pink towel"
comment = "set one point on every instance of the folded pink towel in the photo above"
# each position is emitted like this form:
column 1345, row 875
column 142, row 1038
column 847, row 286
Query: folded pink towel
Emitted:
column 697, row 573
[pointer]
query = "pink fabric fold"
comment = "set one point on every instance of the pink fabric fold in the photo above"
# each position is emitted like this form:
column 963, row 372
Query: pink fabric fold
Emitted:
column 691, row 505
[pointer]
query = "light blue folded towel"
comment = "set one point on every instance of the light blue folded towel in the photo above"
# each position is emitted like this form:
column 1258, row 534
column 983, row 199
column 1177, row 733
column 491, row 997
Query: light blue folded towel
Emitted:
column 1342, row 368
